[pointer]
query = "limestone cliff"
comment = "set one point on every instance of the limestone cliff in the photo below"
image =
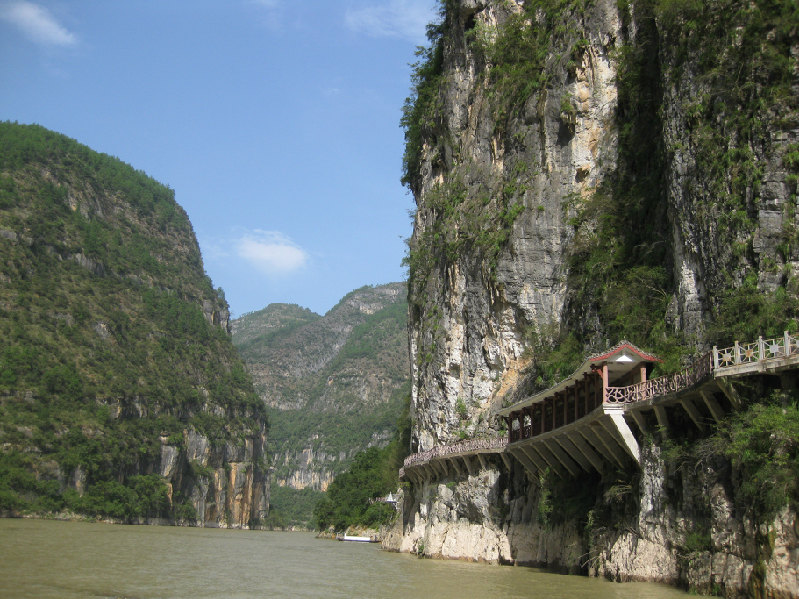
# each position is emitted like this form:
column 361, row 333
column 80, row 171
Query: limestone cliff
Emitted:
column 585, row 172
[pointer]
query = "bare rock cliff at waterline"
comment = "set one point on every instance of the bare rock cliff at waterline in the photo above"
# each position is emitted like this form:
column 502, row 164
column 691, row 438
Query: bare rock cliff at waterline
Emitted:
column 121, row 395
column 587, row 172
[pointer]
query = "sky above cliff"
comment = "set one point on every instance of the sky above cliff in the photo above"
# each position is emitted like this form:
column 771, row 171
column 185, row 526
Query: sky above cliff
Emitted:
column 276, row 122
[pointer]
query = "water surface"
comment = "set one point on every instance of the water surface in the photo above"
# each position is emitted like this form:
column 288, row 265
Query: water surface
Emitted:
column 43, row 558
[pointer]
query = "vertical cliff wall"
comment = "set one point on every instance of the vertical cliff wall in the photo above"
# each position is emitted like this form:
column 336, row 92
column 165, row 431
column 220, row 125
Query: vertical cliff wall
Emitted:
column 585, row 172
column 508, row 147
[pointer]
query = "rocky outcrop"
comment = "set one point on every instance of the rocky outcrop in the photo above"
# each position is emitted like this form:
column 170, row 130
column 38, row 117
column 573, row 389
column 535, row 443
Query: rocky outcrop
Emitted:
column 470, row 327
column 729, row 219
column 307, row 470
column 227, row 485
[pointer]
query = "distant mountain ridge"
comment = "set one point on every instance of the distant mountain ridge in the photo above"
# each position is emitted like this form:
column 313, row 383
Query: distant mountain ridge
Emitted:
column 334, row 384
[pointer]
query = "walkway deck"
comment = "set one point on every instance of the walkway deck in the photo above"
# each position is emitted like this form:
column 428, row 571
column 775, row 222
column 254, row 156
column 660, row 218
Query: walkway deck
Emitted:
column 582, row 424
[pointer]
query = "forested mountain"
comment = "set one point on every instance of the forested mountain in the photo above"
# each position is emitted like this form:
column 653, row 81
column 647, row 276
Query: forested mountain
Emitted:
column 334, row 384
column 121, row 394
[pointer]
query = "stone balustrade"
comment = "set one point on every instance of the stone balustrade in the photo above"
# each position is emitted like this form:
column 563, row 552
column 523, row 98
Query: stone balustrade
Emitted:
column 757, row 351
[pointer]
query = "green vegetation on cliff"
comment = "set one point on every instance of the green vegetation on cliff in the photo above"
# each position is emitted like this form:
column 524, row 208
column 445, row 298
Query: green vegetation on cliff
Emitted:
column 255, row 332
column 112, row 341
column 737, row 104
column 738, row 107
column 372, row 474
column 762, row 443
column 622, row 276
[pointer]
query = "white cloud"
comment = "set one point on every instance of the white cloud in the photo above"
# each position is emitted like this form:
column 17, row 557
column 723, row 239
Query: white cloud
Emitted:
column 393, row 18
column 271, row 252
column 37, row 23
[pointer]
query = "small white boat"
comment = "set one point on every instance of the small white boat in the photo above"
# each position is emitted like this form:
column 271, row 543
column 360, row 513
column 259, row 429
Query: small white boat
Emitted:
column 358, row 539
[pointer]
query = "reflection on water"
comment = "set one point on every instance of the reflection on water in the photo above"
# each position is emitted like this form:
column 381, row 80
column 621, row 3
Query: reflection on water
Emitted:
column 40, row 558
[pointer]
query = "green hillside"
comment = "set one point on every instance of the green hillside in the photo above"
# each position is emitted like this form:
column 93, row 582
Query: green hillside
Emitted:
column 115, row 341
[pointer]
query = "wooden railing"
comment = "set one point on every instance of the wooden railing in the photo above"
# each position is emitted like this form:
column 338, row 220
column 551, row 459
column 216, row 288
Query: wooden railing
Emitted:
column 460, row 447
column 699, row 369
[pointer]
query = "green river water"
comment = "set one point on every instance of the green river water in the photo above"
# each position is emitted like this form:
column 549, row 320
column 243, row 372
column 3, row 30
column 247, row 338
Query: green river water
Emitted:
column 44, row 558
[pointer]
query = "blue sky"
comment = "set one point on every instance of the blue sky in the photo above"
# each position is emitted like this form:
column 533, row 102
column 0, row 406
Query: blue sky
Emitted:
column 276, row 122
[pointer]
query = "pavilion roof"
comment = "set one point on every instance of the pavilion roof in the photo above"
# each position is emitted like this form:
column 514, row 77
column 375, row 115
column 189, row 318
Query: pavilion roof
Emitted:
column 621, row 359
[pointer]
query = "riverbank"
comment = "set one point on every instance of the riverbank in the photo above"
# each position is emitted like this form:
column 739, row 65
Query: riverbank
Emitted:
column 362, row 532
column 66, row 516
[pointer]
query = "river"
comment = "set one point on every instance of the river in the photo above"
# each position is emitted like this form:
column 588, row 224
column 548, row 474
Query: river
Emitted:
column 45, row 558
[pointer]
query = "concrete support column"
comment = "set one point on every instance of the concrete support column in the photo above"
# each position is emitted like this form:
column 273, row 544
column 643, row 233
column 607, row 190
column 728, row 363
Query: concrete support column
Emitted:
column 546, row 455
column 693, row 413
column 713, row 406
column 586, row 450
column 468, row 465
column 599, row 437
column 639, row 420
column 630, row 444
column 730, row 392
column 570, row 450
column 663, row 419
column 482, row 461
column 562, row 457
column 505, row 460
column 528, row 465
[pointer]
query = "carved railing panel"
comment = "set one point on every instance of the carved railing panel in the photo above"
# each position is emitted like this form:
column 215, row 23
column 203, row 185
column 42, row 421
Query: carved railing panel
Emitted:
column 758, row 351
column 663, row 385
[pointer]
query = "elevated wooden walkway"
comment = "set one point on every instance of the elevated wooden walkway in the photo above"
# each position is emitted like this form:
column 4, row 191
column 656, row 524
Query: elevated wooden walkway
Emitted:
column 584, row 423
column 463, row 456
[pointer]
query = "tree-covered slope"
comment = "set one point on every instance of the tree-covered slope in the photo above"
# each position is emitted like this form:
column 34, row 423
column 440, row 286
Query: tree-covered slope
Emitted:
column 334, row 383
column 116, row 357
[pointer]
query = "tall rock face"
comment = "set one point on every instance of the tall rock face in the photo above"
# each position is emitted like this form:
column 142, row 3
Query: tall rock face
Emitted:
column 334, row 384
column 586, row 172
column 499, row 168
column 122, row 395
column 566, row 157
